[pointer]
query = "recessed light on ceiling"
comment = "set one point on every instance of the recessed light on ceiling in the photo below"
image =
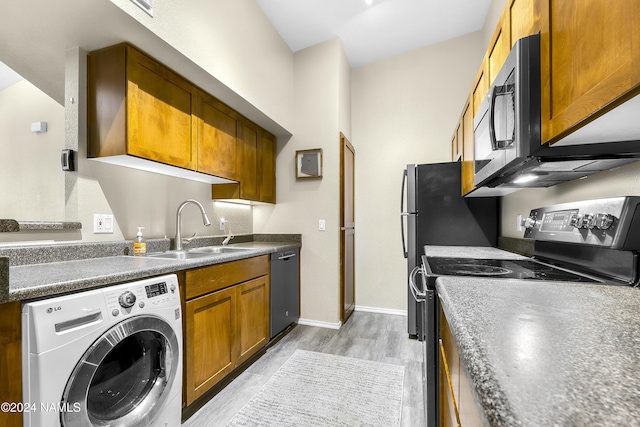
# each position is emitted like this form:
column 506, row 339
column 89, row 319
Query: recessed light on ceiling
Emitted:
column 368, row 2
column 146, row 5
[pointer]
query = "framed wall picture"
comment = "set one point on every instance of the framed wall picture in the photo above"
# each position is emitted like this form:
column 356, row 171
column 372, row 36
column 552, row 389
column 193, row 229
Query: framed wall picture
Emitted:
column 309, row 163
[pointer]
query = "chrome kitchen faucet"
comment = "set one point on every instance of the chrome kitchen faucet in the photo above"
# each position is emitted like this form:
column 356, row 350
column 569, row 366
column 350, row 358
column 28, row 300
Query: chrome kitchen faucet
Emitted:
column 205, row 219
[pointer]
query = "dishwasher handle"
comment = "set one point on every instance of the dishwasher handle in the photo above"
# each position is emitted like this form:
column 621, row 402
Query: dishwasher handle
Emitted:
column 286, row 257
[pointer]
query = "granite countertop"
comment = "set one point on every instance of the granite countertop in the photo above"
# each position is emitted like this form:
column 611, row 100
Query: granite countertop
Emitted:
column 477, row 252
column 547, row 353
column 47, row 279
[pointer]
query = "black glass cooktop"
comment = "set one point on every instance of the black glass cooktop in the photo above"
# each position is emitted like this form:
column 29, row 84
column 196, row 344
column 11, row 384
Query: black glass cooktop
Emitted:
column 498, row 268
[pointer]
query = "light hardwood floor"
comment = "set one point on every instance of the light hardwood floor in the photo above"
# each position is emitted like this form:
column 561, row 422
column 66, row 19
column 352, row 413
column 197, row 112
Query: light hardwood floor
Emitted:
column 370, row 336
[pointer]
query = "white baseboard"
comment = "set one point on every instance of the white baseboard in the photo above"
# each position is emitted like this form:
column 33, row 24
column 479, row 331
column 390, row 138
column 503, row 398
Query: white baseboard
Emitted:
column 381, row 310
column 319, row 324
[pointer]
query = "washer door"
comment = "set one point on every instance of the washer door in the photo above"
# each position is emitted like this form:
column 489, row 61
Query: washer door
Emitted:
column 125, row 377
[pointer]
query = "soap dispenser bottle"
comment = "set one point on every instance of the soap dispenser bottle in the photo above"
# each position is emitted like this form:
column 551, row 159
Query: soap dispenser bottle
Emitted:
column 139, row 244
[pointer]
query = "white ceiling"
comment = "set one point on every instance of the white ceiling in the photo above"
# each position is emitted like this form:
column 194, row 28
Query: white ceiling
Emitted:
column 381, row 30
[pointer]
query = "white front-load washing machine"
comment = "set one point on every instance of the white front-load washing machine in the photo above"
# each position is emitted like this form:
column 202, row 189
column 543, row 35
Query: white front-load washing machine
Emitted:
column 105, row 357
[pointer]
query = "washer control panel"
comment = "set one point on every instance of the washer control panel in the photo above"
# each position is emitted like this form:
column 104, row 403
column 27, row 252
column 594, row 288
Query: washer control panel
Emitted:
column 131, row 298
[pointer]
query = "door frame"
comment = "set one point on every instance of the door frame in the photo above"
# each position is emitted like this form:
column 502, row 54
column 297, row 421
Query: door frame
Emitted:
column 345, row 144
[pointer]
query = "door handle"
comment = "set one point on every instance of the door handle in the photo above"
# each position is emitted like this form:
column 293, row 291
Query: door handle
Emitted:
column 347, row 228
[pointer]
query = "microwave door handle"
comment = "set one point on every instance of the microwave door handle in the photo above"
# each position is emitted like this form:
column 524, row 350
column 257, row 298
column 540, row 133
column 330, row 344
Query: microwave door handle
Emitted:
column 492, row 128
column 403, row 214
column 497, row 91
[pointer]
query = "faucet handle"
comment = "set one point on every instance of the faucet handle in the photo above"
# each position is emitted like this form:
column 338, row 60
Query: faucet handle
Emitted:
column 189, row 239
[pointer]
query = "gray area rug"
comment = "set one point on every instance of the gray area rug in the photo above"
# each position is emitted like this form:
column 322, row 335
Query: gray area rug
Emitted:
column 324, row 390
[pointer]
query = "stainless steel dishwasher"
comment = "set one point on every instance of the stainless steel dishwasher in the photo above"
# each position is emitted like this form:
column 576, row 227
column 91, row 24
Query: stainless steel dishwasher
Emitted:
column 285, row 289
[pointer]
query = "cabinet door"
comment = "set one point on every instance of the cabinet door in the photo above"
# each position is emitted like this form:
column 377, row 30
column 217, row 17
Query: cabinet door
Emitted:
column 448, row 410
column 267, row 160
column 499, row 48
column 522, row 18
column 249, row 168
column 210, row 343
column 159, row 113
column 217, row 138
column 590, row 60
column 253, row 316
column 468, row 155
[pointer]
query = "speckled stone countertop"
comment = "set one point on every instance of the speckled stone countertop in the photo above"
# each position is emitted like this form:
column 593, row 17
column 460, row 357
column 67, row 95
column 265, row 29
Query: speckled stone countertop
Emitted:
column 46, row 279
column 12, row 226
column 547, row 353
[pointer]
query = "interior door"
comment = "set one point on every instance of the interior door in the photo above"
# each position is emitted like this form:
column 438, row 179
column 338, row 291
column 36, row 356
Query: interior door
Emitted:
column 347, row 229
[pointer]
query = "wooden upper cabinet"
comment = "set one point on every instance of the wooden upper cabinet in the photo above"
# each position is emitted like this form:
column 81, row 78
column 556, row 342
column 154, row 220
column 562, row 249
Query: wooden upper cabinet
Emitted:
column 138, row 107
column 257, row 166
column 455, row 151
column 249, row 164
column 480, row 89
column 522, row 18
column 267, row 167
column 498, row 49
column 468, row 155
column 217, row 135
column 590, row 61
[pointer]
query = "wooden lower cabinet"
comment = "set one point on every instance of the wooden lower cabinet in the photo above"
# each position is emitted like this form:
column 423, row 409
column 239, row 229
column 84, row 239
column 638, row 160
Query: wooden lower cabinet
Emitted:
column 457, row 404
column 253, row 310
column 226, row 320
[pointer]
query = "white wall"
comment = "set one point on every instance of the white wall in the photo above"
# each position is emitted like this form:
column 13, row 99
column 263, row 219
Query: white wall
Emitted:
column 404, row 111
column 321, row 108
column 31, row 180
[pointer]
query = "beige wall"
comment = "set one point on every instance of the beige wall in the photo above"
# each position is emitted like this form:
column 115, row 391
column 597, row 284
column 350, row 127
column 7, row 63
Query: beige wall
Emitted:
column 321, row 87
column 404, row 111
column 31, row 180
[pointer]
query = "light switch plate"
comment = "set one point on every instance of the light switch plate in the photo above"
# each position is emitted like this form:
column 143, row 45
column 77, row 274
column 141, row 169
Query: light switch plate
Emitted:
column 102, row 224
column 321, row 225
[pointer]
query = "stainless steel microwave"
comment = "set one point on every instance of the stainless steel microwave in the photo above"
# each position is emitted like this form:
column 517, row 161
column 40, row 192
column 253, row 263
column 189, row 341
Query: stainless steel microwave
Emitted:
column 508, row 151
column 507, row 124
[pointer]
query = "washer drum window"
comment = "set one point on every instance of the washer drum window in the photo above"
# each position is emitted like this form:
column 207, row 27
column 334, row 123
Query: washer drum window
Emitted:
column 124, row 376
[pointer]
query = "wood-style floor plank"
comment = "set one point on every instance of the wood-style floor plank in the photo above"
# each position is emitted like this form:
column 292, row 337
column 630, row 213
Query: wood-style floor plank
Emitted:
column 370, row 336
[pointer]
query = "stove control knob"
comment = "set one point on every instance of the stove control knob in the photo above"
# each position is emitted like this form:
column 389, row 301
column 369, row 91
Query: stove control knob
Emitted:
column 575, row 220
column 528, row 222
column 588, row 221
column 127, row 299
column 603, row 221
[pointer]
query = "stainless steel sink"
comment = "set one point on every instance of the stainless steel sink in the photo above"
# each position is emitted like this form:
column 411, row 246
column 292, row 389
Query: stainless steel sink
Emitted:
column 197, row 252
column 178, row 255
column 218, row 250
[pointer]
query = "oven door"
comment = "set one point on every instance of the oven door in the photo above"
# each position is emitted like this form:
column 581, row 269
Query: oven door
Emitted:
column 431, row 327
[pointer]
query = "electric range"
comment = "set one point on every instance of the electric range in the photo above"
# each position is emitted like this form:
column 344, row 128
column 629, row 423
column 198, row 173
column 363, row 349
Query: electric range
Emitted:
column 593, row 241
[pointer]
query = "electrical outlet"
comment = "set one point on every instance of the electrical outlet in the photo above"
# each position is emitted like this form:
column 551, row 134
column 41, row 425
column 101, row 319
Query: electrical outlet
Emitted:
column 321, row 225
column 222, row 223
column 102, row 224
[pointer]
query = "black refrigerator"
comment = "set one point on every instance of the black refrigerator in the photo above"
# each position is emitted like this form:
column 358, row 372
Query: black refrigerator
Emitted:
column 435, row 213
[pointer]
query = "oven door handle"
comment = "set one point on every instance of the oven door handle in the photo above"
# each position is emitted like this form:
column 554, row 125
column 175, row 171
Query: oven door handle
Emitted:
column 418, row 295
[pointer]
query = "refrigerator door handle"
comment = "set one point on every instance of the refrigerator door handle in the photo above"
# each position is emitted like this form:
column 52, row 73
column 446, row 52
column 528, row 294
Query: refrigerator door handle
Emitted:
column 403, row 214
column 417, row 294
